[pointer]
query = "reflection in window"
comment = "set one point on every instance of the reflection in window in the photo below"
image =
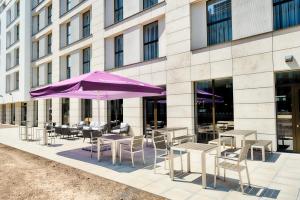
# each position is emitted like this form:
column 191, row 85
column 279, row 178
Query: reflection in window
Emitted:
column 219, row 26
column 119, row 51
column 86, row 110
column 118, row 10
column 86, row 60
column 65, row 110
column 86, row 24
column 155, row 112
column 3, row 114
column 286, row 13
column 151, row 41
column 149, row 3
column 214, row 107
column 12, row 113
column 115, row 112
column 35, row 113
column 23, row 113
column 49, row 110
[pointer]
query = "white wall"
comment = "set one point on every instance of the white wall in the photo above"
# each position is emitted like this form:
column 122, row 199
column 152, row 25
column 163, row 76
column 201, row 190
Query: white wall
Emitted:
column 199, row 25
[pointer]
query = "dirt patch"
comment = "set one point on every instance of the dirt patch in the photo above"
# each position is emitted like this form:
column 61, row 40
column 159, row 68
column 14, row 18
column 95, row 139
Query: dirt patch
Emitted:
column 27, row 176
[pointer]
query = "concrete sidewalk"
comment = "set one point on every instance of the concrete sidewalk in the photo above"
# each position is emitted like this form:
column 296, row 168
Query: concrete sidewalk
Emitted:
column 278, row 178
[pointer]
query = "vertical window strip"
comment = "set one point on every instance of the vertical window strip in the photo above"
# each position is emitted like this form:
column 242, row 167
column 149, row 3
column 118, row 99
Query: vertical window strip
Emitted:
column 286, row 13
column 119, row 51
column 118, row 10
column 151, row 41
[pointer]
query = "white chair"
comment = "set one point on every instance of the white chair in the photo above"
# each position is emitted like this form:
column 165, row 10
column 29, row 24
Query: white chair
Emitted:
column 122, row 129
column 233, row 164
column 136, row 145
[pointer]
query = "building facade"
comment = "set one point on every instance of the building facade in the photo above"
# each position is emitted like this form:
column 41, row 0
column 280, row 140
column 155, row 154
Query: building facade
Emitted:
column 224, row 63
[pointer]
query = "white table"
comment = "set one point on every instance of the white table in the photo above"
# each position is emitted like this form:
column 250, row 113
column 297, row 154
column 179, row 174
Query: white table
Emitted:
column 189, row 147
column 114, row 140
column 239, row 133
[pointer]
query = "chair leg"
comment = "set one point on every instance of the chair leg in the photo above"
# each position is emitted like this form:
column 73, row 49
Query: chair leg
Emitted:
column 241, row 182
column 132, row 155
column 215, row 173
column 143, row 154
column 181, row 162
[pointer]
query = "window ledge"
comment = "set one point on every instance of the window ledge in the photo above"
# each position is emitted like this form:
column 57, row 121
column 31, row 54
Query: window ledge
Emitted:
column 138, row 13
column 11, row 22
column 37, row 5
column 73, row 8
column 137, row 64
column 34, row 34
column 11, row 68
column 40, row 58
column 15, row 42
column 76, row 42
column 10, row 91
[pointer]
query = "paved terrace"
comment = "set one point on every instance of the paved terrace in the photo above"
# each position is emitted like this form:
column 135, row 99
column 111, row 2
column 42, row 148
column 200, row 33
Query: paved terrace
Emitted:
column 277, row 178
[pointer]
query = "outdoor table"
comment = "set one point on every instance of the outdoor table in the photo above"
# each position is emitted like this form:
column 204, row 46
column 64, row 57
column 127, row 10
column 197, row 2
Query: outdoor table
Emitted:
column 114, row 139
column 173, row 130
column 193, row 147
column 235, row 133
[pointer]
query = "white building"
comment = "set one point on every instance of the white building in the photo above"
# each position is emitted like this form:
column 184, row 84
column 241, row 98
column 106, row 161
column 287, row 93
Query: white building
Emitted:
column 229, row 62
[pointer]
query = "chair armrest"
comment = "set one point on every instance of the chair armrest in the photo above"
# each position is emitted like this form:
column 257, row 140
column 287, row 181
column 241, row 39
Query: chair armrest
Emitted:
column 231, row 153
column 225, row 158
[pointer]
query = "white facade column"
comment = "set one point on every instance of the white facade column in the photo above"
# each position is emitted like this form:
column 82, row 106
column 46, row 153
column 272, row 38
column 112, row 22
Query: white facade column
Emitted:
column 42, row 112
column 75, row 111
column 30, row 115
column 133, row 115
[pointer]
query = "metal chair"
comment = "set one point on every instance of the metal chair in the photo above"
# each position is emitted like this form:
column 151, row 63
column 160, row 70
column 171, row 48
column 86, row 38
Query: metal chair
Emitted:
column 233, row 164
column 136, row 145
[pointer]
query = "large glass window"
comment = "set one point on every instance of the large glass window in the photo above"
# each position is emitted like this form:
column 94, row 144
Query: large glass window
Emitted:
column 49, row 14
column 3, row 114
column 86, row 53
column 65, row 110
column 118, row 10
column 151, row 41
column 17, row 81
column 119, row 51
column 86, row 24
column 86, row 110
column 12, row 113
column 286, row 13
column 23, row 114
column 68, row 66
column 214, row 108
column 115, row 112
column 219, row 26
column 49, row 73
column 149, row 3
column 68, row 33
column 49, row 43
column 35, row 113
column 49, row 110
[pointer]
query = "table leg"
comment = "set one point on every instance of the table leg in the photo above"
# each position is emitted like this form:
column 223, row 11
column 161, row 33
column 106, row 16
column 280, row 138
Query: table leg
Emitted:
column 98, row 149
column 188, row 162
column 172, row 165
column 113, row 152
column 203, row 158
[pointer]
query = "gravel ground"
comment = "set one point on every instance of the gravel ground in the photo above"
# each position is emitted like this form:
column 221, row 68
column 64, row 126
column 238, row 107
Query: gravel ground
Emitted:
column 27, row 176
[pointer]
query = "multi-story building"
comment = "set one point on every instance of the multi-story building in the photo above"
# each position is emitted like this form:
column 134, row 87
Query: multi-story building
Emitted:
column 224, row 63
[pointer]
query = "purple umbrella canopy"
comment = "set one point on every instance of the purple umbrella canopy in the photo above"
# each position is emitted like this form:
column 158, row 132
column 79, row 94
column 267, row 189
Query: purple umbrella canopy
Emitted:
column 97, row 85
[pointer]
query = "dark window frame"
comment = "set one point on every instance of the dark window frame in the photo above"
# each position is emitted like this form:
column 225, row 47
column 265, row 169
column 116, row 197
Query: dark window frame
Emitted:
column 68, row 33
column 278, row 6
column 68, row 67
column 86, row 24
column 119, row 51
column 86, row 61
column 118, row 11
column 149, row 42
column 149, row 3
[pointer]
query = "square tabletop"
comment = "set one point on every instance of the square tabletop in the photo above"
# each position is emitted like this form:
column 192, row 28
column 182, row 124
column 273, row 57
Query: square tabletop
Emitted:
column 115, row 137
column 238, row 133
column 194, row 147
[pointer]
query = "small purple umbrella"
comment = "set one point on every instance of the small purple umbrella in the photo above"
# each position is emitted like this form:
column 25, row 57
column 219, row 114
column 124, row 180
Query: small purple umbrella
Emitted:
column 97, row 85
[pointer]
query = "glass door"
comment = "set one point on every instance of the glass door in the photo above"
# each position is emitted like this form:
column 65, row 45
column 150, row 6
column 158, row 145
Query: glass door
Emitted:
column 297, row 119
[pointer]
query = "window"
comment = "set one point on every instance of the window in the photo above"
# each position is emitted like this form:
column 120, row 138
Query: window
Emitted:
column 119, row 51
column 8, row 83
column 8, row 61
column 219, row 26
column 49, row 110
column 149, row 3
column 17, row 80
column 49, row 73
column 65, row 108
column 12, row 113
column 151, row 41
column 49, row 43
column 114, row 112
column 18, row 32
column 86, row 54
column 17, row 56
column 286, row 13
column 3, row 113
column 35, row 113
column 118, row 10
column 68, row 33
column 68, row 5
column 214, row 108
column 68, row 66
column 18, row 9
column 86, row 24
column 49, row 9
column 86, row 109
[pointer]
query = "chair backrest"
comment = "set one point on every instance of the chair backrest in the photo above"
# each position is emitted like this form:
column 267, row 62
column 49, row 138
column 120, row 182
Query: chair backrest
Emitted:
column 137, row 142
column 159, row 141
column 244, row 153
column 123, row 125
